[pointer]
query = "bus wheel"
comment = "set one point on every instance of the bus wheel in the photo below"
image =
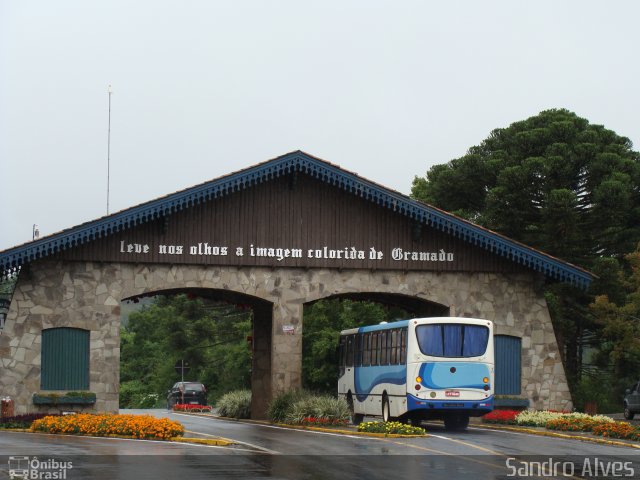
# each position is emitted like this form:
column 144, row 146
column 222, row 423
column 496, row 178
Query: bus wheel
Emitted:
column 456, row 422
column 386, row 412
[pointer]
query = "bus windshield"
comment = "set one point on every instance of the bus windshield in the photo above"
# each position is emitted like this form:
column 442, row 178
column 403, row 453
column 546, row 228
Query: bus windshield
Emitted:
column 452, row 340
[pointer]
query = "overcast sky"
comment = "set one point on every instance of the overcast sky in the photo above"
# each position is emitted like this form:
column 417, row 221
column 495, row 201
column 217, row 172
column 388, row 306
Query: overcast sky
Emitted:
column 203, row 88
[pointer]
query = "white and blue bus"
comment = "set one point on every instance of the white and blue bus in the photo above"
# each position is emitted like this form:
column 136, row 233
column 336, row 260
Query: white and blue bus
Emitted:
column 419, row 369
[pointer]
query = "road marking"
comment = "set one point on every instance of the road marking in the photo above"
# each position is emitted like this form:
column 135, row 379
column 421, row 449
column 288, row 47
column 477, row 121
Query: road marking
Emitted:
column 467, row 444
column 257, row 447
column 466, row 458
column 227, row 447
column 463, row 457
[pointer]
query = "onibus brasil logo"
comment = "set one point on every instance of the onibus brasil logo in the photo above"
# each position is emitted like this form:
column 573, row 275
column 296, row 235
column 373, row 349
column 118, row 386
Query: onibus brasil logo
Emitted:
column 33, row 468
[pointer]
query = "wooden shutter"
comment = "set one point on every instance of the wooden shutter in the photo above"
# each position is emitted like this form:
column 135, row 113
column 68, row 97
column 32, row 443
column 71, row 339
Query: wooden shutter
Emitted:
column 65, row 359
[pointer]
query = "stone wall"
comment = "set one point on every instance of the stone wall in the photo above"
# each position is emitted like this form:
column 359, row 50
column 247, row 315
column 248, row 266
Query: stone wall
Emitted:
column 87, row 295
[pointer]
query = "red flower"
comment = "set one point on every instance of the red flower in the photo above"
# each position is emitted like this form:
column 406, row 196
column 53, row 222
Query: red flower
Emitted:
column 501, row 416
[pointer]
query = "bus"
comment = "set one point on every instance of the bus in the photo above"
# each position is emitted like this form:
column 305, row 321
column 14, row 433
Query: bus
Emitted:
column 418, row 369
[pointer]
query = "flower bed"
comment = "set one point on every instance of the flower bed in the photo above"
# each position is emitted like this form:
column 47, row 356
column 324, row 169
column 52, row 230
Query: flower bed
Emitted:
column 567, row 422
column 621, row 430
column 394, row 428
column 507, row 417
column 533, row 418
column 186, row 407
column 136, row 426
column 577, row 422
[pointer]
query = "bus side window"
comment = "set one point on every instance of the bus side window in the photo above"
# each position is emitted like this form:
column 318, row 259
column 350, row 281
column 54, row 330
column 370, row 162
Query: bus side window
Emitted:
column 358, row 350
column 349, row 362
column 394, row 347
column 341, row 354
column 374, row 348
column 384, row 357
column 366, row 358
column 403, row 346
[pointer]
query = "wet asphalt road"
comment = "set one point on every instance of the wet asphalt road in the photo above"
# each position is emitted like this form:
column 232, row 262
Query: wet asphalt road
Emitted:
column 265, row 451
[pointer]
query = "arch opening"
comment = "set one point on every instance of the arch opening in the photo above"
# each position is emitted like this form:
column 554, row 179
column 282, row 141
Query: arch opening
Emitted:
column 223, row 336
column 326, row 317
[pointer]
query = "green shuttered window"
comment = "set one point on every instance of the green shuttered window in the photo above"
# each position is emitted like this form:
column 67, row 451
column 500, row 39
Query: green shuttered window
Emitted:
column 65, row 359
column 508, row 365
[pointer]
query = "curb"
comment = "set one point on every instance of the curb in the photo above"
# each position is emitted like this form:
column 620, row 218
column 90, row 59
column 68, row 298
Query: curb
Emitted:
column 217, row 442
column 203, row 441
column 547, row 433
column 349, row 432
column 310, row 428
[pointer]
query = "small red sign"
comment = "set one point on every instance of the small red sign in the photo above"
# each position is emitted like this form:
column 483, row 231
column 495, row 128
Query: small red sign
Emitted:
column 452, row 393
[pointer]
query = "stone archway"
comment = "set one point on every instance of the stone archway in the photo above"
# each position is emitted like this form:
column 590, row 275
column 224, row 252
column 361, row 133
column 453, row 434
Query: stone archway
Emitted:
column 87, row 295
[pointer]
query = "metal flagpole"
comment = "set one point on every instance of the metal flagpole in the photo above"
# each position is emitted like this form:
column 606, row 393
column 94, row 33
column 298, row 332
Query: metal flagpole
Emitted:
column 109, row 151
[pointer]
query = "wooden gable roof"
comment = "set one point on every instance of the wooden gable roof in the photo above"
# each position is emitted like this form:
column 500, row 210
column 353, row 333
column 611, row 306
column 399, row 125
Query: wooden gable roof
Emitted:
column 12, row 259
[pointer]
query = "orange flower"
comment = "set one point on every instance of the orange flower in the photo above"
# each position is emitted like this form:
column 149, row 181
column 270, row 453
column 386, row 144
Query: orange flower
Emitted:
column 138, row 426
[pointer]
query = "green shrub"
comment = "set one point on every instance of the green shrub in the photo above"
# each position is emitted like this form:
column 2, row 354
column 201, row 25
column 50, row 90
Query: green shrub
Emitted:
column 282, row 405
column 303, row 407
column 81, row 394
column 389, row 428
column 601, row 389
column 313, row 409
column 134, row 394
column 149, row 400
column 236, row 404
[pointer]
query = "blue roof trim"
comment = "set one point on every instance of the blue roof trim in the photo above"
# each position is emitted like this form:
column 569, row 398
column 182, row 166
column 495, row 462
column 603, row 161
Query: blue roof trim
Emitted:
column 12, row 259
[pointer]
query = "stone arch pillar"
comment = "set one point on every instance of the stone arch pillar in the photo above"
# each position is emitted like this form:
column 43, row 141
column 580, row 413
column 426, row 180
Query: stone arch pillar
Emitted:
column 286, row 363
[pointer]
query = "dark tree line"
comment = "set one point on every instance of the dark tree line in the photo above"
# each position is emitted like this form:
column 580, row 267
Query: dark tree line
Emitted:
column 210, row 336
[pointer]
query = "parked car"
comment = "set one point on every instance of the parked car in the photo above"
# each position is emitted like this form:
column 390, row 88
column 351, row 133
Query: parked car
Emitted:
column 193, row 393
column 631, row 401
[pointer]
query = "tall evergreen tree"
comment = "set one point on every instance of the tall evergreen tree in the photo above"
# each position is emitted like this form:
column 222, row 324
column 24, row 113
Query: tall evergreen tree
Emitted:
column 557, row 183
column 620, row 323
column 553, row 181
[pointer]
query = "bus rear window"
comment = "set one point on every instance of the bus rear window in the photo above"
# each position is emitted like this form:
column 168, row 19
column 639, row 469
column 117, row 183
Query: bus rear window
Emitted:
column 452, row 340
